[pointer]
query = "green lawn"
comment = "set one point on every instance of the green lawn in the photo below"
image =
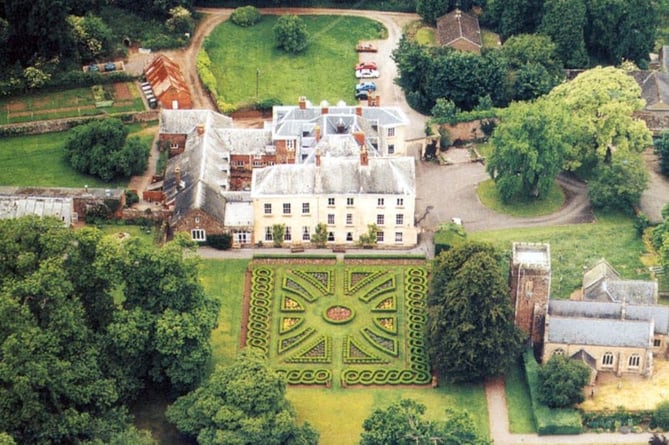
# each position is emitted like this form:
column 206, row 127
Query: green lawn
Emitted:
column 224, row 280
column 489, row 197
column 518, row 402
column 38, row 161
column 240, row 56
column 337, row 413
column 578, row 246
column 75, row 102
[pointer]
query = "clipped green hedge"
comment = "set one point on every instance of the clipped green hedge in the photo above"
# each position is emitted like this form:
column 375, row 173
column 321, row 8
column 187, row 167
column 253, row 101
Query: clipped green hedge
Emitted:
column 306, row 376
column 362, row 256
column 281, row 256
column 549, row 421
column 366, row 277
column 260, row 312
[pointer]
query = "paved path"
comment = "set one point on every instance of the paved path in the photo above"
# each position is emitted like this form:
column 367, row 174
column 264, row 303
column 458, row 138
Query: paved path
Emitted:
column 499, row 426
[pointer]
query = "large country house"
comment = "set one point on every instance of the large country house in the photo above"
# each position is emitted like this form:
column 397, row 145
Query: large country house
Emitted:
column 614, row 326
column 223, row 179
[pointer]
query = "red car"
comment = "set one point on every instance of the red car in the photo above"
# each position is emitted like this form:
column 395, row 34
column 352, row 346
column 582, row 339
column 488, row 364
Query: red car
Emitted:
column 366, row 66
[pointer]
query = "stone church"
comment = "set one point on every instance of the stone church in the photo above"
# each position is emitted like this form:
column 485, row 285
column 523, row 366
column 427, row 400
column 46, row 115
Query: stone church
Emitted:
column 615, row 326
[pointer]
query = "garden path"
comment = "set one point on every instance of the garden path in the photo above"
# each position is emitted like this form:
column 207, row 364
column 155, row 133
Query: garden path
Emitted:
column 499, row 426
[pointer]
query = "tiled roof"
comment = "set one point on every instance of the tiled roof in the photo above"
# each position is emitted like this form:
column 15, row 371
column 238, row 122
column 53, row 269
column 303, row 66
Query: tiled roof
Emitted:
column 164, row 75
column 654, row 88
column 458, row 25
column 186, row 121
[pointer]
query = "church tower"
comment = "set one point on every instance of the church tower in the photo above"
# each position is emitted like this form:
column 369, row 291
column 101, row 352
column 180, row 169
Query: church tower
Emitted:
column 530, row 283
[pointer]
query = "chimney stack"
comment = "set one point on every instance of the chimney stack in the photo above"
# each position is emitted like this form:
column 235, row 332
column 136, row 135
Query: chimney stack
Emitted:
column 177, row 177
column 364, row 156
column 302, row 102
column 200, row 129
column 325, row 108
column 358, row 110
column 359, row 137
column 317, row 133
column 318, row 157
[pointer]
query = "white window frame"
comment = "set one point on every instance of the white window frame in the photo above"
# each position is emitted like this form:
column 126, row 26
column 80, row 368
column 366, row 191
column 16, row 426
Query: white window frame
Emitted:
column 268, row 234
column 399, row 219
column 400, row 202
column 306, row 208
column 306, row 233
column 634, row 361
column 287, row 234
column 380, row 202
column 286, row 208
column 349, row 219
column 391, row 132
column 267, row 208
column 607, row 359
column 380, row 237
column 399, row 237
column 198, row 235
column 331, row 219
column 380, row 219
column 350, row 201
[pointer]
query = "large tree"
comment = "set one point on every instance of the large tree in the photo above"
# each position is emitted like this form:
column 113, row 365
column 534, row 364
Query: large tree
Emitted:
column 561, row 382
column 601, row 103
column 471, row 333
column 563, row 22
column 243, row 404
column 101, row 148
column 618, row 184
column 71, row 357
column 402, row 423
column 290, row 34
column 618, row 30
column 511, row 17
column 662, row 150
column 529, row 148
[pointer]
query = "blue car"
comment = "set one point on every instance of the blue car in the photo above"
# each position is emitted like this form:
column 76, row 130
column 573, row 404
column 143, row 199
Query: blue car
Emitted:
column 365, row 86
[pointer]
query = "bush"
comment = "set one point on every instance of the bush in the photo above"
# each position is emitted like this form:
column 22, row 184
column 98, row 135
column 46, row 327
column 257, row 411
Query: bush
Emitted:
column 447, row 236
column 220, row 241
column 290, row 34
column 547, row 420
column 268, row 104
column 561, row 382
column 245, row 16
column 661, row 415
column 131, row 197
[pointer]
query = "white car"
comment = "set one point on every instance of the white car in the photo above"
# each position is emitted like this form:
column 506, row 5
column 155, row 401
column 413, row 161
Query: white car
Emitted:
column 366, row 73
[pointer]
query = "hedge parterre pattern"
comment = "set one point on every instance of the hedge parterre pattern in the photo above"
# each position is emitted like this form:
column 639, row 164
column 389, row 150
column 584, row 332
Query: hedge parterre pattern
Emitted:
column 356, row 325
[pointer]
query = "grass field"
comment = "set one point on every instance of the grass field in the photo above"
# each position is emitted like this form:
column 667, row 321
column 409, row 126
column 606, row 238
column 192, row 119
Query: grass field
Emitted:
column 489, row 197
column 324, row 71
column 74, row 102
column 335, row 412
column 518, row 402
column 579, row 246
column 38, row 161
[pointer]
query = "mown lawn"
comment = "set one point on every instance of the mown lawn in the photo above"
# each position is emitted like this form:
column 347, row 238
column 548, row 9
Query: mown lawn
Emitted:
column 335, row 412
column 577, row 247
column 38, row 161
column 490, row 198
column 324, row 71
column 75, row 102
column 518, row 401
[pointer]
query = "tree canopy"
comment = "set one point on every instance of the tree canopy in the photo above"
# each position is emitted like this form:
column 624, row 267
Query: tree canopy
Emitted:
column 402, row 423
column 561, row 382
column 290, row 33
column 471, row 333
column 101, row 148
column 72, row 357
column 243, row 404
column 529, row 149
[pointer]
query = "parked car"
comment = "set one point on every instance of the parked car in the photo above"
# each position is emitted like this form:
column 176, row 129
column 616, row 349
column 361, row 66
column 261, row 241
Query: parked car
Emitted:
column 110, row 66
column 361, row 95
column 366, row 47
column 93, row 68
column 365, row 86
column 366, row 74
column 366, row 66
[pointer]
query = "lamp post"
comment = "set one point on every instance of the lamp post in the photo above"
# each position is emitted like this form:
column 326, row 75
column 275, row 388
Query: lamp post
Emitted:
column 257, row 81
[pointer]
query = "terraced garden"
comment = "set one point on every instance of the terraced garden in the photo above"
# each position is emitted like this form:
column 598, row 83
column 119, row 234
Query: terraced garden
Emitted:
column 342, row 324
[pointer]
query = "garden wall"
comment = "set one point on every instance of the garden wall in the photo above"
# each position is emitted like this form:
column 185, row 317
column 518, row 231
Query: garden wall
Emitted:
column 465, row 131
column 56, row 125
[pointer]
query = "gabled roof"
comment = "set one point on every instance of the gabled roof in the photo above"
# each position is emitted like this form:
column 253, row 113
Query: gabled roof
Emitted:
column 582, row 355
column 164, row 75
column 595, row 332
column 337, row 176
column 654, row 88
column 603, row 283
column 185, row 121
column 458, row 25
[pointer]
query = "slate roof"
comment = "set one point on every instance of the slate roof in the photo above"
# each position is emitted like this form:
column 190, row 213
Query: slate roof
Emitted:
column 202, row 174
column 186, row 121
column 337, row 176
column 603, row 283
column 596, row 332
column 654, row 88
column 659, row 314
column 458, row 25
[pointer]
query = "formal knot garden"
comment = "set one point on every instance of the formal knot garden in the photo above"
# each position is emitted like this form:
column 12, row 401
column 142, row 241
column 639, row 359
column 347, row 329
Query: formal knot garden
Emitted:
column 348, row 323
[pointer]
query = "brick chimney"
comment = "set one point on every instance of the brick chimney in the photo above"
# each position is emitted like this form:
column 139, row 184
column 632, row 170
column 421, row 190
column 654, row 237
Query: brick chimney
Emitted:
column 325, row 107
column 364, row 156
column 317, row 132
column 358, row 110
column 359, row 137
column 318, row 157
column 177, row 177
column 302, row 102
column 200, row 129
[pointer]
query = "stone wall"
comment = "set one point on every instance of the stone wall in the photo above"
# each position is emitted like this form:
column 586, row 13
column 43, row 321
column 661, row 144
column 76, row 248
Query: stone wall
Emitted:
column 56, row 125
